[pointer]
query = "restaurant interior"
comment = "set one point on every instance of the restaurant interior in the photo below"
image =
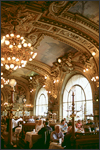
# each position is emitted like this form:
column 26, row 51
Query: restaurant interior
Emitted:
column 49, row 74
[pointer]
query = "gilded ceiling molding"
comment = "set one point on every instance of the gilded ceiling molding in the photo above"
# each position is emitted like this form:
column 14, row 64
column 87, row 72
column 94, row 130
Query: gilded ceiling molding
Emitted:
column 77, row 38
column 77, row 19
column 70, row 28
column 39, row 68
column 66, row 16
column 56, row 8
column 85, row 46
column 79, row 43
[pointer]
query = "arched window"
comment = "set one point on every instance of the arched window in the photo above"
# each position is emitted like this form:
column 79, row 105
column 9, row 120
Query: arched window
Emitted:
column 82, row 99
column 42, row 102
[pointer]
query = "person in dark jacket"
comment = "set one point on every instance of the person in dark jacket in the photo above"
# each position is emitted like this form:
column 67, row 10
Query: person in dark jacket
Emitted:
column 45, row 128
column 40, row 144
column 67, row 138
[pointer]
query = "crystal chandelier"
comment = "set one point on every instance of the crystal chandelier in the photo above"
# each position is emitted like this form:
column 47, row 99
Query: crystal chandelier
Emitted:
column 3, row 81
column 15, row 51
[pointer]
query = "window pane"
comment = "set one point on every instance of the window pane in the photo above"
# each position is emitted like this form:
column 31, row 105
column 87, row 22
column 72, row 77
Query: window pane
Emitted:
column 83, row 93
column 42, row 102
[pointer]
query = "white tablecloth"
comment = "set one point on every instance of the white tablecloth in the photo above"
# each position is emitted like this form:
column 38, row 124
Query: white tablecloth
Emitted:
column 31, row 137
column 54, row 145
column 18, row 130
column 15, row 122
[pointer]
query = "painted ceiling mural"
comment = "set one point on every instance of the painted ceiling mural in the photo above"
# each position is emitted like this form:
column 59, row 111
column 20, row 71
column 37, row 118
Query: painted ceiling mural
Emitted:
column 88, row 9
column 50, row 49
column 23, row 72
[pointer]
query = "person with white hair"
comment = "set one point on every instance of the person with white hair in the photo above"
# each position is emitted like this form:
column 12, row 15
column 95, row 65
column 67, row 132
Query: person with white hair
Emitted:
column 57, row 134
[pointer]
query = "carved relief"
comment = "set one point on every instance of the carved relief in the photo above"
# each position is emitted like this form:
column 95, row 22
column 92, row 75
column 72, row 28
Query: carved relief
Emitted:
column 25, row 27
column 55, row 70
column 41, row 25
column 90, row 64
column 78, row 38
column 54, row 30
column 56, row 6
column 32, row 38
column 83, row 58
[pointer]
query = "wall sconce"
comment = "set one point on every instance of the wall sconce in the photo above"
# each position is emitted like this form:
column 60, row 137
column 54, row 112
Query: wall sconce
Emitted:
column 95, row 78
column 45, row 77
column 59, row 60
column 93, row 53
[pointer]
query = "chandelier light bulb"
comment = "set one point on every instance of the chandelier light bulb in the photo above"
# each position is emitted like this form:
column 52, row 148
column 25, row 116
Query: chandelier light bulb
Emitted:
column 3, row 37
column 34, row 55
column 19, row 67
column 13, row 58
column 21, row 38
column 12, row 35
column 25, row 62
column 7, row 42
column 9, row 58
column 25, row 44
column 97, row 77
column 1, row 73
column 2, row 41
column 2, row 59
column 23, row 65
column 10, row 46
column 1, row 64
column 86, row 69
column 23, row 41
column 22, row 61
column 15, row 67
column 1, row 85
column 7, row 35
column 19, row 46
column 30, row 59
column 12, row 66
column 29, row 44
column 7, row 67
column 17, row 59
column 18, row 36
column 92, row 79
column 31, row 53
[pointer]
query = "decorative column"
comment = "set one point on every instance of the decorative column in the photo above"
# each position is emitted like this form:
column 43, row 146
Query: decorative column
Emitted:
column 10, row 118
column 12, row 84
column 24, row 100
column 73, row 125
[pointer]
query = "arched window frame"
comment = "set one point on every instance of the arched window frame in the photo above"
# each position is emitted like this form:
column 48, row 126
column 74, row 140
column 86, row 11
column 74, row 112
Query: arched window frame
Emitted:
column 42, row 92
column 85, row 96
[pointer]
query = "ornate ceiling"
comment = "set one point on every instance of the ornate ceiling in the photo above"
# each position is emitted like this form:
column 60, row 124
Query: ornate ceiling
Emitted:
column 63, row 29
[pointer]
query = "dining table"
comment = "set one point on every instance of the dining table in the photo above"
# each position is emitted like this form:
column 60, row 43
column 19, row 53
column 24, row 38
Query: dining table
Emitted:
column 54, row 145
column 32, row 137
column 18, row 129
